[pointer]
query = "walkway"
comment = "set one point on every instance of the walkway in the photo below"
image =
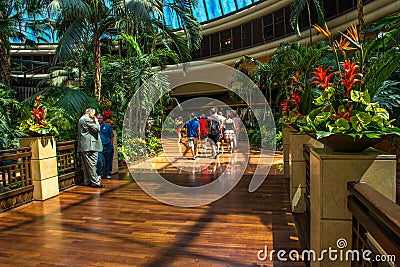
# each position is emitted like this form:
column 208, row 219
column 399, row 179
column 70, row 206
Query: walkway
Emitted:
column 122, row 226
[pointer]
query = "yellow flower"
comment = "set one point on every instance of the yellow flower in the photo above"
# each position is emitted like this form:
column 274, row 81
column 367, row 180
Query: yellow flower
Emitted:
column 324, row 32
column 352, row 32
column 343, row 44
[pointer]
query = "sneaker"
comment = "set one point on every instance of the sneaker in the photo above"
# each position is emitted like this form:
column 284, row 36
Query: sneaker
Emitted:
column 109, row 177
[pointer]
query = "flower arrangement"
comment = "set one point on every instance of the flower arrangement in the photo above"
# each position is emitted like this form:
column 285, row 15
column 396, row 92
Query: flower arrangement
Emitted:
column 36, row 124
column 343, row 105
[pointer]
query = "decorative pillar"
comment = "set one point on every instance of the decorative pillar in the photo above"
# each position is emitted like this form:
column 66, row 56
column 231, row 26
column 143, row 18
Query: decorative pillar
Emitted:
column 297, row 169
column 44, row 166
column 330, row 220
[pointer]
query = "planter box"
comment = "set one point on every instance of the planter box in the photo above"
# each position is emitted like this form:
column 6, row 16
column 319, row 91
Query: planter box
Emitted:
column 297, row 169
column 44, row 166
column 330, row 172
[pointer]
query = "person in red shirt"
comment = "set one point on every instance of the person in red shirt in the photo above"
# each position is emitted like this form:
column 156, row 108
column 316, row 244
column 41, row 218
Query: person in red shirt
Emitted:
column 203, row 126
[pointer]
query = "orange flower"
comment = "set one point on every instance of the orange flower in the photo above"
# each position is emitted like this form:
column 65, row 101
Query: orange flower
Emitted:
column 324, row 32
column 321, row 78
column 343, row 44
column 349, row 76
column 296, row 77
column 352, row 32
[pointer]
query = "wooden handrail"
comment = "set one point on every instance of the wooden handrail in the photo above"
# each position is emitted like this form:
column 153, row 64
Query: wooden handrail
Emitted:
column 10, row 154
column 60, row 146
column 383, row 208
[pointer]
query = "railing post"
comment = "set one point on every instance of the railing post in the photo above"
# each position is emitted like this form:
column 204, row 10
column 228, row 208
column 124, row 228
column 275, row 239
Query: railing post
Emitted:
column 44, row 166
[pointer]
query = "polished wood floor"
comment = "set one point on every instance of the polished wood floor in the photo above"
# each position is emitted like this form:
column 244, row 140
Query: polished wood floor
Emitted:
column 121, row 225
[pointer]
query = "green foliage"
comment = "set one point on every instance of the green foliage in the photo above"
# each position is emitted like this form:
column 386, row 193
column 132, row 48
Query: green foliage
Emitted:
column 380, row 70
column 9, row 108
column 297, row 8
column 135, row 149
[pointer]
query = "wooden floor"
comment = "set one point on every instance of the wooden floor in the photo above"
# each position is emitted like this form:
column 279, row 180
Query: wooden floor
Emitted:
column 121, row 225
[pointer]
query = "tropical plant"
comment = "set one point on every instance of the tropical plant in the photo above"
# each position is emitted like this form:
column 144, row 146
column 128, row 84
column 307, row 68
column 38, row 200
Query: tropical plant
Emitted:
column 289, row 62
column 36, row 124
column 344, row 105
column 23, row 21
column 81, row 20
column 297, row 8
column 9, row 106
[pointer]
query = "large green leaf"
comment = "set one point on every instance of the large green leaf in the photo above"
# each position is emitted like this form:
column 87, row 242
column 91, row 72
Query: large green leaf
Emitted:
column 360, row 97
column 322, row 134
column 360, row 120
column 342, row 124
column 325, row 97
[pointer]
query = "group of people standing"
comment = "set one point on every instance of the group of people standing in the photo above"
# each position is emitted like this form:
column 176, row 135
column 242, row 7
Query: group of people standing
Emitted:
column 216, row 128
column 95, row 143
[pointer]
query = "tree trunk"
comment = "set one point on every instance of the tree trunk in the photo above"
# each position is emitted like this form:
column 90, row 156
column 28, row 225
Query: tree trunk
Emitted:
column 309, row 21
column 5, row 72
column 97, row 58
column 360, row 17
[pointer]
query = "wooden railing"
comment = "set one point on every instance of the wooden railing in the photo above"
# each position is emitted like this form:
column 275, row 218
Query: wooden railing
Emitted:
column 15, row 177
column 376, row 225
column 69, row 165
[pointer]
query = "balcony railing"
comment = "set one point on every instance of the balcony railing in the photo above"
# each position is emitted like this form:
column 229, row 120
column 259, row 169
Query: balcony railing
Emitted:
column 15, row 177
column 69, row 165
column 376, row 225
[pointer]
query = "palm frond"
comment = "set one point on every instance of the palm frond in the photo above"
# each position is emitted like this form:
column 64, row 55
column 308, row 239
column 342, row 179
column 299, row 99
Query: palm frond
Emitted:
column 320, row 13
column 295, row 12
column 133, row 46
column 71, row 41
column 381, row 70
column 191, row 27
column 73, row 9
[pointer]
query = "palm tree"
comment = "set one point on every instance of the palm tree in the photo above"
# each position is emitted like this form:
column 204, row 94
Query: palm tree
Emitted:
column 296, row 10
column 81, row 20
column 22, row 21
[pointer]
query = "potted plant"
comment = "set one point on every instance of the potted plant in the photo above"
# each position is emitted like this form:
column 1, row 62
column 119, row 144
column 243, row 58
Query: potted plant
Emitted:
column 36, row 125
column 343, row 116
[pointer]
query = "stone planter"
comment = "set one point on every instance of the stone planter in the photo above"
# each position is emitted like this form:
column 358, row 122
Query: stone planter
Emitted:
column 330, row 219
column 286, row 145
column 44, row 166
column 297, row 168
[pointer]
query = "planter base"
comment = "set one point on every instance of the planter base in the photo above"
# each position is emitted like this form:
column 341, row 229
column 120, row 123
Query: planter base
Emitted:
column 346, row 143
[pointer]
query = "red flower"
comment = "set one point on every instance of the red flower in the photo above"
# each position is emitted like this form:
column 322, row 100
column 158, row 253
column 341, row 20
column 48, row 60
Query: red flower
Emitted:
column 296, row 99
column 349, row 76
column 38, row 114
column 321, row 78
column 284, row 106
column 107, row 114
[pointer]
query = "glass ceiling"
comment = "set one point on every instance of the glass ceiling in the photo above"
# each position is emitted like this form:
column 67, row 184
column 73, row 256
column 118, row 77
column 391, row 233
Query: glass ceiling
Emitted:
column 208, row 10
